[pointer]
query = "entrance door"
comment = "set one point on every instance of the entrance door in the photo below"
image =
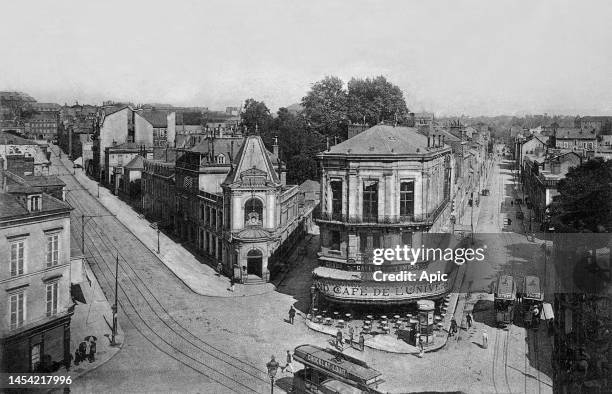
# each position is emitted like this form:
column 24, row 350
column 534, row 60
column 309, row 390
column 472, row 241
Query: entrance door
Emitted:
column 254, row 262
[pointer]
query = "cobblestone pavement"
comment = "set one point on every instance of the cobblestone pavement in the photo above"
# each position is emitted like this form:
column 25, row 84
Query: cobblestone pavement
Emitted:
column 180, row 341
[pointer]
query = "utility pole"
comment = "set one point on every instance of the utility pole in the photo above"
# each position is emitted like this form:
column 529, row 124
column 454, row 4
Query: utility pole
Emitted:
column 472, row 218
column 114, row 308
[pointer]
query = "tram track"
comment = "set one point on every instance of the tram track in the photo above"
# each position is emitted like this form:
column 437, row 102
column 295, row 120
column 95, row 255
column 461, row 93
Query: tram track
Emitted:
column 145, row 312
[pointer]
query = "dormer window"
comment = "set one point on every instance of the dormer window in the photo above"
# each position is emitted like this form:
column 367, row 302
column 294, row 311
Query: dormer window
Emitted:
column 34, row 204
column 220, row 159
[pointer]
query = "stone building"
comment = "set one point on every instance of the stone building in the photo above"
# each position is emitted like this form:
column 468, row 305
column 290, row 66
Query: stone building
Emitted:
column 42, row 126
column 35, row 279
column 158, row 194
column 382, row 188
column 233, row 206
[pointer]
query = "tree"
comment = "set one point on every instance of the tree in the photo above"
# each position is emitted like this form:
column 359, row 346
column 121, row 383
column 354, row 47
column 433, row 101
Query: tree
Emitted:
column 374, row 100
column 256, row 115
column 584, row 203
column 325, row 107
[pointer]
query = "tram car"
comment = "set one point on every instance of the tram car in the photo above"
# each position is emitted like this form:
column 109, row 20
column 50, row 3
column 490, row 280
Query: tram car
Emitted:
column 532, row 301
column 504, row 300
column 329, row 371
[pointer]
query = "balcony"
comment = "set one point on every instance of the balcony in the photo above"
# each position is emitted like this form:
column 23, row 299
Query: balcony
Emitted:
column 380, row 220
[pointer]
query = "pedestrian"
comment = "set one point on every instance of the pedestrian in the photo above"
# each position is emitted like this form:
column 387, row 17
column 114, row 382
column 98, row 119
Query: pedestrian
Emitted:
column 92, row 350
column 232, row 284
column 220, row 268
column 289, row 361
column 83, row 351
column 339, row 338
column 361, row 341
column 350, row 336
column 291, row 314
column 421, row 348
column 468, row 319
column 453, row 327
column 485, row 339
column 77, row 357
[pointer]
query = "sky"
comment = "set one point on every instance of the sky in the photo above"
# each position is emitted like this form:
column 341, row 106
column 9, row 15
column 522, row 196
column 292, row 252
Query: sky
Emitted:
column 473, row 57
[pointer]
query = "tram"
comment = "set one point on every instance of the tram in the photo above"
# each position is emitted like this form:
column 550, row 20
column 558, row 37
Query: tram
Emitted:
column 532, row 298
column 504, row 300
column 328, row 371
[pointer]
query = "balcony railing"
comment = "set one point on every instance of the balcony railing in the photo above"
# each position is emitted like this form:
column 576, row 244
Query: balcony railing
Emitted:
column 380, row 219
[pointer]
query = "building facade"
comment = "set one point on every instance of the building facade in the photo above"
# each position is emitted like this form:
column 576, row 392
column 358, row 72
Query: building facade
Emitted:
column 42, row 126
column 35, row 280
column 385, row 187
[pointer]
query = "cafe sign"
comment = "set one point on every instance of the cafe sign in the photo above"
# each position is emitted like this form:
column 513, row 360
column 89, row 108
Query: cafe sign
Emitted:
column 329, row 366
column 380, row 291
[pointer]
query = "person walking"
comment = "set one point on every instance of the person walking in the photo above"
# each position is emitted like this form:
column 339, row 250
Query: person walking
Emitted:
column 289, row 364
column 485, row 339
column 83, row 350
column 219, row 268
column 468, row 319
column 361, row 341
column 350, row 336
column 421, row 348
column 339, row 339
column 291, row 314
column 92, row 350
column 232, row 284
column 453, row 327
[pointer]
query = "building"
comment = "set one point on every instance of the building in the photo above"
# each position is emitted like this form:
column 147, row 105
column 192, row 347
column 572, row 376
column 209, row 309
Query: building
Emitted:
column 533, row 145
column 42, row 126
column 575, row 139
column 162, row 125
column 424, row 119
column 385, row 187
column 542, row 173
column 233, row 206
column 35, row 281
column 46, row 107
column 118, row 125
column 116, row 158
column 158, row 197
column 12, row 146
column 596, row 124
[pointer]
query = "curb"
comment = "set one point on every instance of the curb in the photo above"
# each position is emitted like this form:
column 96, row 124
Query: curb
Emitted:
column 155, row 253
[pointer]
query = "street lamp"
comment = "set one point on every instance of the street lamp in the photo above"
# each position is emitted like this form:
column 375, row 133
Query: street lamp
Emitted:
column 272, row 366
column 158, row 240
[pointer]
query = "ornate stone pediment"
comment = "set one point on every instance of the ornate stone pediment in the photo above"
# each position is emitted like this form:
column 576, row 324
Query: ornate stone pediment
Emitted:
column 253, row 177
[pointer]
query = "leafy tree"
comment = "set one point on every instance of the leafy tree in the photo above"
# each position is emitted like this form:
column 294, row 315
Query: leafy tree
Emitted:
column 375, row 100
column 325, row 107
column 584, row 203
column 256, row 115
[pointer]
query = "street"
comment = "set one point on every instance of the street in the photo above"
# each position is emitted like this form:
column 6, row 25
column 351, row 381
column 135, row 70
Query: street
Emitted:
column 221, row 344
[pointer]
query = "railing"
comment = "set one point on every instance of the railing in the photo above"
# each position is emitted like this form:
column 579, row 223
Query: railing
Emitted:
column 381, row 219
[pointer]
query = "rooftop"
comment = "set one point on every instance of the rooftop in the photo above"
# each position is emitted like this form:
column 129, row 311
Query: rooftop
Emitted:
column 156, row 118
column 574, row 133
column 137, row 163
column 10, row 207
column 383, row 140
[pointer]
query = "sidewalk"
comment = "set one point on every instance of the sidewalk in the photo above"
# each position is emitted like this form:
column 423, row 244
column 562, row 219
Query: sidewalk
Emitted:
column 92, row 318
column 200, row 278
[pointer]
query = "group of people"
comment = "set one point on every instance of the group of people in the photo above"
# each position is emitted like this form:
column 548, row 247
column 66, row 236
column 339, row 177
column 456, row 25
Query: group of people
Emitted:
column 350, row 339
column 85, row 351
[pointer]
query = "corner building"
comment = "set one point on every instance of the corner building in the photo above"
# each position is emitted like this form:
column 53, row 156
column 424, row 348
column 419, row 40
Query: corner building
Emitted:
column 384, row 187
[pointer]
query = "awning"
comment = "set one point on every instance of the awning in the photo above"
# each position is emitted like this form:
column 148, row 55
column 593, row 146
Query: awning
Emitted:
column 77, row 293
column 547, row 312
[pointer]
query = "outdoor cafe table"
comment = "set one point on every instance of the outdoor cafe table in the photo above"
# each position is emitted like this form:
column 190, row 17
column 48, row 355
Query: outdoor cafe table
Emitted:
column 319, row 317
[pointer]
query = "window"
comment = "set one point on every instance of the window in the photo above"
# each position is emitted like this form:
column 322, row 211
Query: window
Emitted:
column 220, row 159
column 52, row 290
column 335, row 240
column 565, row 145
column 17, row 258
column 52, row 250
column 253, row 212
column 201, row 212
column 370, row 200
column 35, row 204
column 17, row 309
column 407, row 198
column 336, row 191
column 213, row 218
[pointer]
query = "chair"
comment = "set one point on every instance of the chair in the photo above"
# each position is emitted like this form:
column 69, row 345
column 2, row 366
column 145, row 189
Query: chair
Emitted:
column 318, row 318
column 328, row 321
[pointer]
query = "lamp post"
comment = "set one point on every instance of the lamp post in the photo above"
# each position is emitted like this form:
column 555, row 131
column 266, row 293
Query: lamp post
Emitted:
column 272, row 366
column 158, row 250
column 114, row 307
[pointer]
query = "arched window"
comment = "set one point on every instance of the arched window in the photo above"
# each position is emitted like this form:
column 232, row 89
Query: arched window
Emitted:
column 253, row 212
column 221, row 159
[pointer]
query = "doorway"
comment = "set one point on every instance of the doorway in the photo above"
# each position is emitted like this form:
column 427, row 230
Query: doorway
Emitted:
column 254, row 262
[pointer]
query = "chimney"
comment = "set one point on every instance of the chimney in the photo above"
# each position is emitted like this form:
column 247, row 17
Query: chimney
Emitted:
column 275, row 147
